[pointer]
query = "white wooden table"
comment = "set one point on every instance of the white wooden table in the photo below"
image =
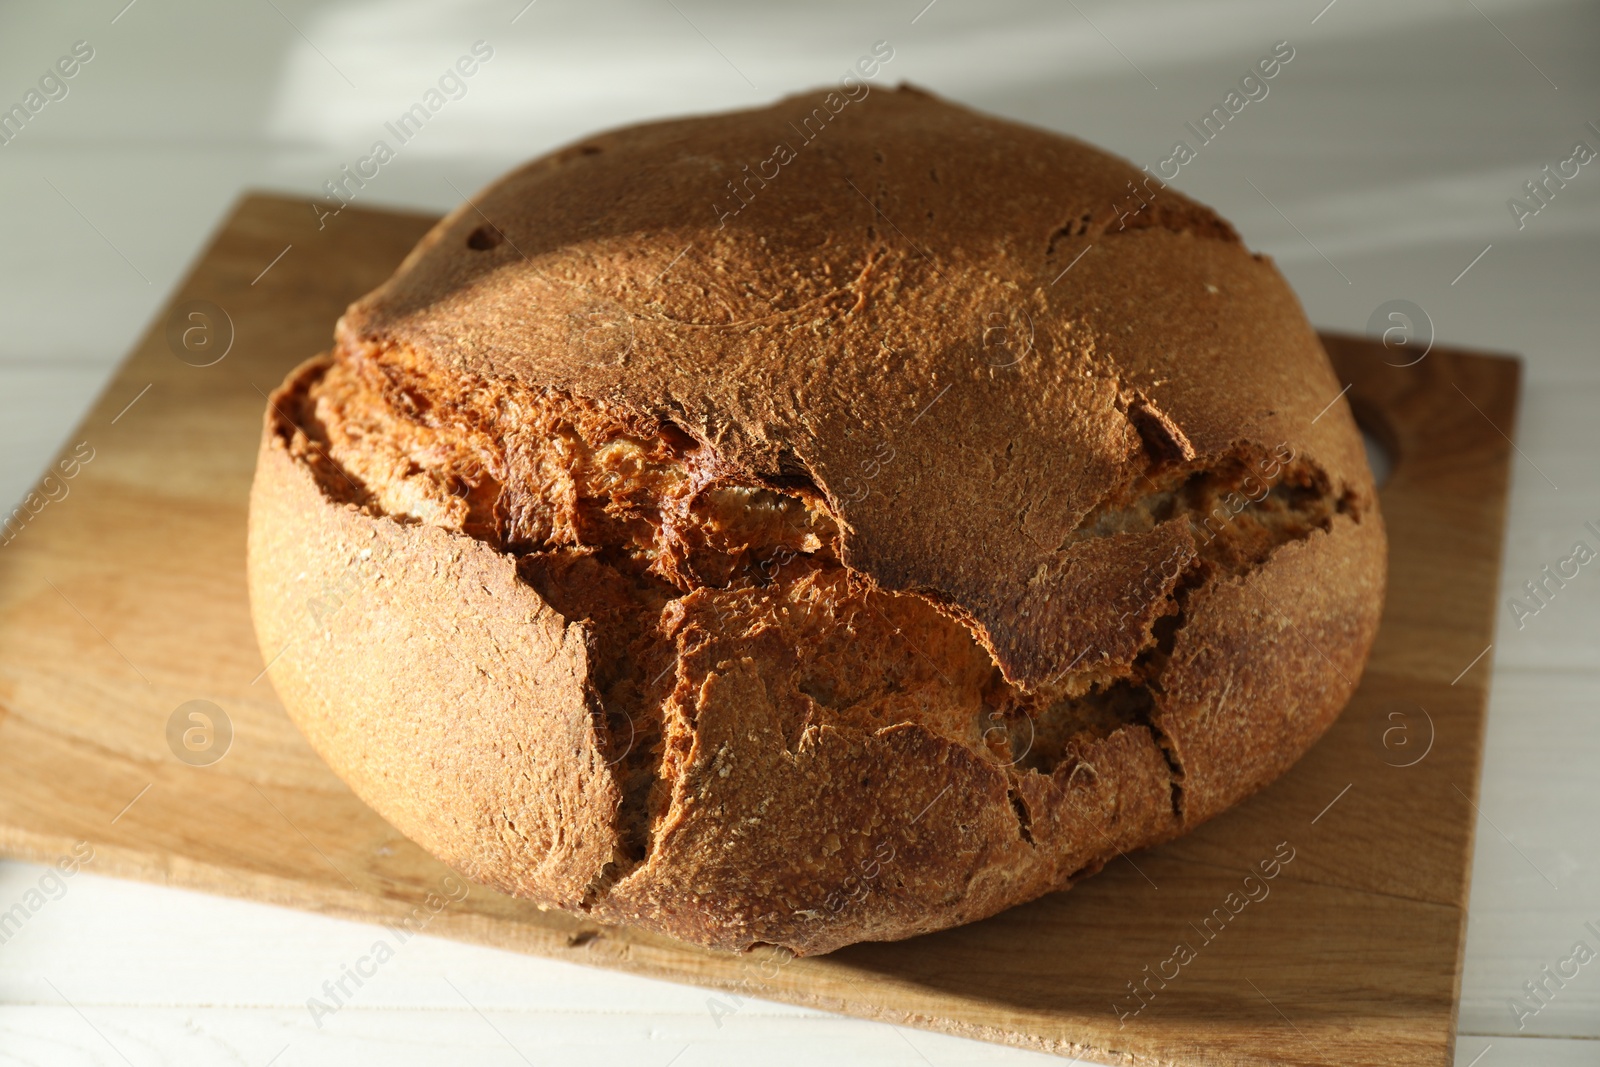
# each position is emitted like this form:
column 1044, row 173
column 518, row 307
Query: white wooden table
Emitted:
column 1378, row 167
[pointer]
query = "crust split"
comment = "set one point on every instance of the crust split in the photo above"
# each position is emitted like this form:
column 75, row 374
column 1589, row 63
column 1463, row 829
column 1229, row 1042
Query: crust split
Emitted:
column 732, row 664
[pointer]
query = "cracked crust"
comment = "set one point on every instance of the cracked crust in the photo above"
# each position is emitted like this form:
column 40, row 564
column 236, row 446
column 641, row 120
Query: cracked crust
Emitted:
column 839, row 579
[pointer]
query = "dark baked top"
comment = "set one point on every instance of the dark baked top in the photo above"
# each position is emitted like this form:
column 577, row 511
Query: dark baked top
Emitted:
column 887, row 319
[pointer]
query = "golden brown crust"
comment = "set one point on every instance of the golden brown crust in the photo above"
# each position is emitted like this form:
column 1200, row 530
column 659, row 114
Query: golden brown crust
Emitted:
column 440, row 687
column 1265, row 662
column 1070, row 561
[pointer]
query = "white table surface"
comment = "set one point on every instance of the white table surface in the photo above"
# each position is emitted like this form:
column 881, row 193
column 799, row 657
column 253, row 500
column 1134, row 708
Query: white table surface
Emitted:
column 1382, row 160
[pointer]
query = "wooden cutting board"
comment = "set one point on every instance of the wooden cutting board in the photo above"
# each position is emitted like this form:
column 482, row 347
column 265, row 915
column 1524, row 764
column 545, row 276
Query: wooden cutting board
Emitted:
column 122, row 600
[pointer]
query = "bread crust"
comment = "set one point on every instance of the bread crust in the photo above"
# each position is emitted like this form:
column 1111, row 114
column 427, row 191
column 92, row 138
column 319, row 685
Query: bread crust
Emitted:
column 441, row 688
column 1036, row 497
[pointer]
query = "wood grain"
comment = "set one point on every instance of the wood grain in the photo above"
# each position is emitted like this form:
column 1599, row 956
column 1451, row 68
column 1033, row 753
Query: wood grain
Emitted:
column 125, row 598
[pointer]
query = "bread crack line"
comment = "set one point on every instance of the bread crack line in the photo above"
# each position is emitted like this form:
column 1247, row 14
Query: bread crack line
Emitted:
column 633, row 531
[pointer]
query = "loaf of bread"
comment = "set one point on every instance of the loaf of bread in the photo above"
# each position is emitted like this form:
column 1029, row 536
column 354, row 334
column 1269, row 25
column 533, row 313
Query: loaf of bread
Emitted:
column 805, row 526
